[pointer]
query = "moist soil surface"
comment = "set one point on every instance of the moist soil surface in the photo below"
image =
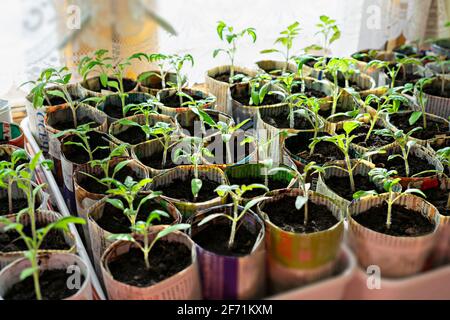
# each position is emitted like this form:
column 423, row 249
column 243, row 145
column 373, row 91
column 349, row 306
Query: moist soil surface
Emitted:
column 404, row 222
column 309, row 92
column 243, row 98
column 323, row 151
column 281, row 121
column 132, row 135
column 17, row 205
column 374, row 141
column 93, row 186
column 116, row 112
column 416, row 164
column 221, row 155
column 273, row 185
column 341, row 185
column 173, row 101
column 283, row 214
column 68, row 123
column 327, row 113
column 155, row 160
column 194, row 127
column 115, row 221
column 225, row 77
column 10, row 241
column 214, row 237
column 53, row 287
column 166, row 259
column 439, row 199
column 437, row 91
column 341, row 83
column 181, row 189
column 78, row 155
column 400, row 120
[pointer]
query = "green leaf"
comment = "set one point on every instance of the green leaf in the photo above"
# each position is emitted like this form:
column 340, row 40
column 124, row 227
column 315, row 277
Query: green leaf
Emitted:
column 170, row 229
column 212, row 217
column 121, row 237
column 414, row 117
column 196, row 185
column 300, row 202
column 349, row 126
column 362, row 193
column 253, row 202
column 117, row 203
column 28, row 272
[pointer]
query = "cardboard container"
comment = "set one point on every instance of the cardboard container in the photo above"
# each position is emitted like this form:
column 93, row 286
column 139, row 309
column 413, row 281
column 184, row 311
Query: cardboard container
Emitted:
column 172, row 111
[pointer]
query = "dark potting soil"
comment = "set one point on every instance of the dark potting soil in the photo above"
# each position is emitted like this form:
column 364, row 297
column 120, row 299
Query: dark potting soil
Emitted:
column 10, row 241
column 173, row 101
column 438, row 198
column 225, row 77
column 309, row 92
column 374, row 141
column 132, row 135
column 128, row 85
column 243, row 98
column 17, row 205
column 5, row 156
column 116, row 112
column 400, row 120
column 401, row 80
column 68, row 123
column 215, row 236
column 416, row 164
column 155, row 161
column 440, row 144
column 273, row 185
column 436, row 91
column 283, row 214
column 221, row 155
column 194, row 127
column 115, row 221
column 281, row 121
column 341, row 83
column 341, row 185
column 404, row 222
column 53, row 287
column 323, row 151
column 166, row 259
column 181, row 189
column 402, row 107
column 93, row 186
column 327, row 113
column 78, row 155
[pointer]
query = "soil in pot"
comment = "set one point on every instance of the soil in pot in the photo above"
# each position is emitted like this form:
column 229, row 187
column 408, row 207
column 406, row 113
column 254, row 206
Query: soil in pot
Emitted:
column 115, row 221
column 325, row 113
column 238, row 154
column 273, row 185
column 128, row 85
column 214, row 238
column 5, row 156
column 281, row 121
column 374, row 141
column 10, row 241
column 53, row 286
column 93, row 186
column 18, row 204
column 166, row 259
column 309, row 92
column 403, row 78
column 225, row 77
column 341, row 83
column 181, row 189
column 154, row 81
column 283, row 214
column 194, row 127
column 243, row 97
column 402, row 107
column 78, row 155
column 173, row 100
column 132, row 135
column 323, row 151
column 400, row 120
column 67, row 123
column 155, row 160
column 438, row 198
column 341, row 185
column 416, row 164
column 437, row 91
column 404, row 222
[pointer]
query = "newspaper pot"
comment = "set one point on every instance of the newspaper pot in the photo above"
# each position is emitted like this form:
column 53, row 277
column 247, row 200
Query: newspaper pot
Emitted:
column 227, row 277
column 135, row 136
column 362, row 168
column 18, row 194
column 85, row 199
column 93, row 87
column 99, row 236
column 438, row 70
column 184, row 285
column 415, row 71
column 437, row 105
column 189, row 125
column 37, row 116
column 396, row 256
column 242, row 110
column 68, row 262
column 11, row 133
column 112, row 106
column 220, row 88
column 69, row 165
column 188, row 208
column 430, row 117
column 152, row 84
column 441, row 47
column 373, row 72
column 275, row 68
column 171, row 109
column 58, row 114
column 43, row 218
column 257, row 172
column 295, row 259
column 364, row 82
column 309, row 70
column 430, row 181
column 147, row 150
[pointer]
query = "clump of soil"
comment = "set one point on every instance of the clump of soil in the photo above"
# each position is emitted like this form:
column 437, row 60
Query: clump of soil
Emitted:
column 53, row 287
column 341, row 185
column 404, row 222
column 401, row 121
column 283, row 214
column 181, row 189
column 166, row 259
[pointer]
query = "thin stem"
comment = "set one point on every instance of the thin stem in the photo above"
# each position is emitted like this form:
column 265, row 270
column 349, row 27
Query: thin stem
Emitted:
column 10, row 202
column 350, row 172
column 146, row 250
column 37, row 286
column 233, row 223
column 389, row 213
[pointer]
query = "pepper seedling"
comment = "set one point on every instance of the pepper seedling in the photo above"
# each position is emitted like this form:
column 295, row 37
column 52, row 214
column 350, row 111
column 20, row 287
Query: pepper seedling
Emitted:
column 259, row 88
column 237, row 196
column 393, row 68
column 301, row 178
column 177, row 63
column 286, row 39
column 330, row 32
column 391, row 185
column 161, row 61
column 287, row 83
column 227, row 33
column 99, row 62
column 301, row 60
column 421, row 100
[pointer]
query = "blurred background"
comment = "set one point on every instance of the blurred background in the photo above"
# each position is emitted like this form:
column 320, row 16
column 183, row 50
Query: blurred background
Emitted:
column 36, row 34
